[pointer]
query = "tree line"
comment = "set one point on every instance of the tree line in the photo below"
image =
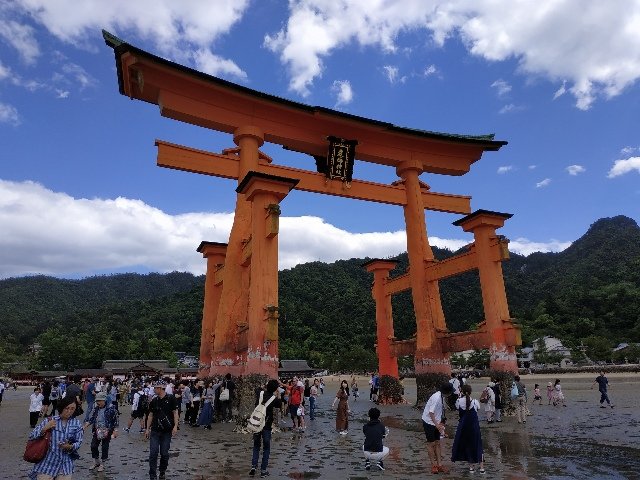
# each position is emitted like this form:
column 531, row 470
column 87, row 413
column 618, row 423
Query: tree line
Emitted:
column 588, row 296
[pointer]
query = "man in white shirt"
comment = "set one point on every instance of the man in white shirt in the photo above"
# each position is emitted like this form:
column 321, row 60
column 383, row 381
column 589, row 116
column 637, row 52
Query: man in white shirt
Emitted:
column 433, row 420
column 2, row 387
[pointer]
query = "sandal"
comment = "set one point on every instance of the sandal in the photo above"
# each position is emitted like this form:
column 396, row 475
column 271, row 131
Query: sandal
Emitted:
column 443, row 469
column 434, row 469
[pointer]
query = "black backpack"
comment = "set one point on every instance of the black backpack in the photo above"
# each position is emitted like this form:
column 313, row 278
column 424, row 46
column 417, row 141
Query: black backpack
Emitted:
column 143, row 403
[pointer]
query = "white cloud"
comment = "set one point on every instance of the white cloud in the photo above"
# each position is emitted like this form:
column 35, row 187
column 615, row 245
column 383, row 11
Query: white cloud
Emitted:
column 543, row 183
column 5, row 72
column 627, row 151
column 593, row 47
column 505, row 168
column 524, row 246
column 177, row 29
column 343, row 91
column 53, row 233
column 9, row 114
column 430, row 70
column 393, row 74
column 575, row 169
column 502, row 87
column 62, row 93
column 20, row 37
column 532, row 167
column 510, row 108
column 561, row 91
column 620, row 167
column 79, row 75
column 212, row 64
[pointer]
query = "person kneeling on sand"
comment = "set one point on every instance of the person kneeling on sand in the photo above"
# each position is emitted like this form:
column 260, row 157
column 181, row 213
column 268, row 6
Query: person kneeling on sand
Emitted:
column 374, row 432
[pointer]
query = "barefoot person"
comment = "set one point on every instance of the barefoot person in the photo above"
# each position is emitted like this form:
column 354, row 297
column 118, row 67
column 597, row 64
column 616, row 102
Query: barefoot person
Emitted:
column 603, row 385
column 467, row 444
column 433, row 420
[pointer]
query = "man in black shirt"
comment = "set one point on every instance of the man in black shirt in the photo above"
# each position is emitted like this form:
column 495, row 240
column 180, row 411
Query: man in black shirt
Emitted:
column 603, row 385
column 162, row 424
column 265, row 435
column 374, row 432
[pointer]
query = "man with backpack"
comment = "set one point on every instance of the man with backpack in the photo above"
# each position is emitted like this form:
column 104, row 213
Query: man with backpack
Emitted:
column 161, row 426
column 139, row 408
column 260, row 423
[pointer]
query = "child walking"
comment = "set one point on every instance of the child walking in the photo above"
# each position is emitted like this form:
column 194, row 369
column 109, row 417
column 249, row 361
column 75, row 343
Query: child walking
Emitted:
column 536, row 394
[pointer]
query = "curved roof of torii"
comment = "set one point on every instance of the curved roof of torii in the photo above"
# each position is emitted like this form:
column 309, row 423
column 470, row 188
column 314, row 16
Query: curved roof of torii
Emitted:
column 194, row 97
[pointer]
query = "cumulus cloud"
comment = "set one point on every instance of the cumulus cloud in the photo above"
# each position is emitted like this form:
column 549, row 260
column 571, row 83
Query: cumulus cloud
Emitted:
column 575, row 169
column 502, row 87
column 543, row 183
column 591, row 46
column 343, row 91
column 212, row 64
column 505, row 169
column 53, row 233
column 183, row 30
column 620, row 167
column 8, row 114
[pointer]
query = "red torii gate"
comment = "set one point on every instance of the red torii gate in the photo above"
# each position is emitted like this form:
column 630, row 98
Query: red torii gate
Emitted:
column 240, row 314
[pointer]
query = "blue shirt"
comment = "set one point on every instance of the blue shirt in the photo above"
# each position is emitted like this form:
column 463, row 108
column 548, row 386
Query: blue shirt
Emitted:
column 91, row 397
column 57, row 461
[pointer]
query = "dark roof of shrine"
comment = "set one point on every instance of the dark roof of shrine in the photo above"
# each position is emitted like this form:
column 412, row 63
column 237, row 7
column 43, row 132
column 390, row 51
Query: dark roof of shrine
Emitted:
column 120, row 46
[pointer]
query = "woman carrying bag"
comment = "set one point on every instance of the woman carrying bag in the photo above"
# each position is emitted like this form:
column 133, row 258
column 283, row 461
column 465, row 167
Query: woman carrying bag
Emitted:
column 65, row 439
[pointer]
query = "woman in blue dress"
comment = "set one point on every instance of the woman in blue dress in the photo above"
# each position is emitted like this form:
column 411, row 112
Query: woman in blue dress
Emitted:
column 66, row 438
column 208, row 397
column 467, row 445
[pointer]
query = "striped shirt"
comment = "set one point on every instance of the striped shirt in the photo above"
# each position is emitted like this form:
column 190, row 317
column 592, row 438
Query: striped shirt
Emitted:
column 57, row 461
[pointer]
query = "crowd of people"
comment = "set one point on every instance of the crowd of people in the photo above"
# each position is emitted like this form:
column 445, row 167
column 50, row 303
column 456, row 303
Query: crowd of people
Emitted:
column 156, row 405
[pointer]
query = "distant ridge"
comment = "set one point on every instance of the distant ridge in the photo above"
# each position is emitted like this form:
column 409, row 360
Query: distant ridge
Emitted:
column 589, row 293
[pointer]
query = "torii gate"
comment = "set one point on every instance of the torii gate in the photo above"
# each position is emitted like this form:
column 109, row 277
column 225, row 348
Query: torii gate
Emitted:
column 240, row 314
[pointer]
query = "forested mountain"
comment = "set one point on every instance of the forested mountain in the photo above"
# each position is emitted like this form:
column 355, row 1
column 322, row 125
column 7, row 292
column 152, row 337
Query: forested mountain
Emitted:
column 588, row 293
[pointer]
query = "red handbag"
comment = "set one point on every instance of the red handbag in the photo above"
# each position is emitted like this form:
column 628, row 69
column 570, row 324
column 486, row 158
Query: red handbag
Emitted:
column 36, row 449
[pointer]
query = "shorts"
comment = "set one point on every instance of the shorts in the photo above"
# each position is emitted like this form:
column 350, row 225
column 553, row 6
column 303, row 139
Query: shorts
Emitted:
column 137, row 414
column 293, row 410
column 46, row 401
column 431, row 432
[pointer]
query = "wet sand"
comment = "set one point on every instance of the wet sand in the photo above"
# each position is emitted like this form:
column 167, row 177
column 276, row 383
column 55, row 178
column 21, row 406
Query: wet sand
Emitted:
column 580, row 441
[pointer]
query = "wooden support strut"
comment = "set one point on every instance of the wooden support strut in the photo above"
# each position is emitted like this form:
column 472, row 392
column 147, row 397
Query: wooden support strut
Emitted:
column 227, row 166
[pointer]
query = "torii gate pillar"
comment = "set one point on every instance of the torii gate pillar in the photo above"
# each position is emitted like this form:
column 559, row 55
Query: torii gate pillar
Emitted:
column 503, row 334
column 426, row 294
column 215, row 255
column 387, row 361
column 265, row 192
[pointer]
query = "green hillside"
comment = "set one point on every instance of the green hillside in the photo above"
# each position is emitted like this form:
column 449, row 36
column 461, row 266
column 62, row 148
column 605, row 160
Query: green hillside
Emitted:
column 588, row 293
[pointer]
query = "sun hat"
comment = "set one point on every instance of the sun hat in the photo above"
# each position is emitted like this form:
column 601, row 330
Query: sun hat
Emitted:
column 101, row 397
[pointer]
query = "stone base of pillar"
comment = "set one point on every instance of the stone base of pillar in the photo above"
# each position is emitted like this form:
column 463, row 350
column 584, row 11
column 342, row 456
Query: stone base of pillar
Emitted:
column 228, row 362
column 432, row 361
column 503, row 359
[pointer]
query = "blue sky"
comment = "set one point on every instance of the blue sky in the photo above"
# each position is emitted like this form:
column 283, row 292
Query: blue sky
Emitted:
column 80, row 192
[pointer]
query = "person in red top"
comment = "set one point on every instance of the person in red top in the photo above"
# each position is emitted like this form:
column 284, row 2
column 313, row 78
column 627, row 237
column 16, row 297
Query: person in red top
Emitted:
column 295, row 399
